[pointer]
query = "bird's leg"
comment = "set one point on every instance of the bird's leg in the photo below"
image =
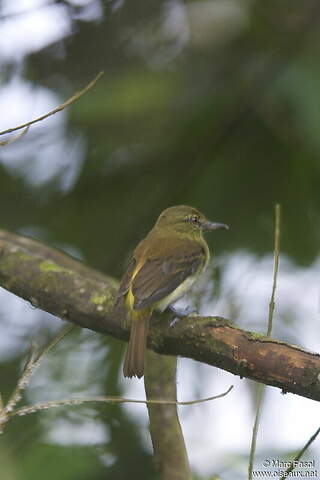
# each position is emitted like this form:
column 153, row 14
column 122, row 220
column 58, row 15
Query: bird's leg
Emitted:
column 181, row 313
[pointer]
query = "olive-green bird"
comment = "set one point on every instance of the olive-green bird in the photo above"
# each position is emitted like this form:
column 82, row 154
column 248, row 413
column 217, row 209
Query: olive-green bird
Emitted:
column 163, row 267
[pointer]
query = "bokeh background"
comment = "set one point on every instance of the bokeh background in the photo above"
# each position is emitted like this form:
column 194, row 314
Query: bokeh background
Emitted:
column 213, row 103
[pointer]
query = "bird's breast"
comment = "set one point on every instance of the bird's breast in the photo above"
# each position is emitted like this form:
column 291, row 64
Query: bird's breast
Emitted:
column 177, row 293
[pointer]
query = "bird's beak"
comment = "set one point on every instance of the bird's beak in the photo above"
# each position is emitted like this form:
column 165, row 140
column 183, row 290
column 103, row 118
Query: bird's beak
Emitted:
column 213, row 226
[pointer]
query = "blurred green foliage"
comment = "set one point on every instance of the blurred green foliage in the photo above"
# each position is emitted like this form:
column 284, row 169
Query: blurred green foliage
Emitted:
column 208, row 103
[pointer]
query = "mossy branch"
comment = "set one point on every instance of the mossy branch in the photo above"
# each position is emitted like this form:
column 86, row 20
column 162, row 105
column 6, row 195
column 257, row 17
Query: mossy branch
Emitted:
column 67, row 288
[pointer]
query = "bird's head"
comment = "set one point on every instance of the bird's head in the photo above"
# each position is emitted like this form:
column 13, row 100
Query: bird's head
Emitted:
column 188, row 220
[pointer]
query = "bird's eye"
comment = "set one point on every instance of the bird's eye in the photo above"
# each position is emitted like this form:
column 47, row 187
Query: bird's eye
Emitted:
column 194, row 219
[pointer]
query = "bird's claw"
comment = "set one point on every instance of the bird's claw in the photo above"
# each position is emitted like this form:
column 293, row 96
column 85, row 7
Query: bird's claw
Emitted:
column 181, row 313
column 174, row 321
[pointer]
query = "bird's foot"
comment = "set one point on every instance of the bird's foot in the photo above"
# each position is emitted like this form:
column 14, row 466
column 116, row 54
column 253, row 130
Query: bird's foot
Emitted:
column 181, row 313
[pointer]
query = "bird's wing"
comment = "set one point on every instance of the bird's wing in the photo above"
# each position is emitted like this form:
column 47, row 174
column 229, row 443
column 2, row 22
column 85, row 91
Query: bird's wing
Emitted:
column 158, row 276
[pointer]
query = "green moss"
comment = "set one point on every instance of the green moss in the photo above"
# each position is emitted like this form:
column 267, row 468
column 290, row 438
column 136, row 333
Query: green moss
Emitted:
column 99, row 299
column 48, row 266
column 23, row 256
column 255, row 336
column 13, row 258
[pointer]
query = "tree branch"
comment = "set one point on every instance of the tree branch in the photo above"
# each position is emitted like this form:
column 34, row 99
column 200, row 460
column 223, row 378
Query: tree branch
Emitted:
column 65, row 104
column 70, row 290
column 169, row 448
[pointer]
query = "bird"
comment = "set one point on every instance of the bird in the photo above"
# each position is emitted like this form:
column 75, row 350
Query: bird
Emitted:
column 163, row 267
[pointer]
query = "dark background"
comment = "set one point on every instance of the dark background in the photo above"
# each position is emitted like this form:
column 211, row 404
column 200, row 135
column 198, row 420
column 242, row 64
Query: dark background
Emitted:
column 215, row 104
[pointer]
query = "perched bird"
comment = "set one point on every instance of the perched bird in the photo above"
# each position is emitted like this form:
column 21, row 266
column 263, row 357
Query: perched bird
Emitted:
column 163, row 267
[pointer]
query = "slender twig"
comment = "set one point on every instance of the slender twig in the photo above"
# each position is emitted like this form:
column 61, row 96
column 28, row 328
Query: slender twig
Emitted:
column 106, row 399
column 54, row 342
column 27, row 11
column 68, row 102
column 260, row 396
column 2, row 410
column 31, row 365
column 3, row 415
column 261, row 389
column 299, row 455
column 15, row 137
column 23, row 381
column 275, row 266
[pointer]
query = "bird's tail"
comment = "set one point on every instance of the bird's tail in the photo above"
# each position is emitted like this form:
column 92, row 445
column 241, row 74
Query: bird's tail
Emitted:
column 134, row 361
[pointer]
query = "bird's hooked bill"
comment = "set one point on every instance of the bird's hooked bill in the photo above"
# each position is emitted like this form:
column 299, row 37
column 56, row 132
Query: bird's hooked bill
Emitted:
column 214, row 226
